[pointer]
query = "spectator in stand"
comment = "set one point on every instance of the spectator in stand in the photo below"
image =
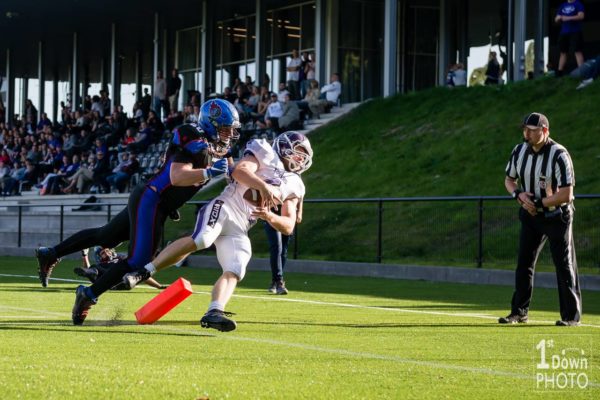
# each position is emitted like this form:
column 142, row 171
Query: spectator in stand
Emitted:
column 228, row 94
column 30, row 177
column 105, row 102
column 128, row 139
column 570, row 15
column 309, row 72
column 17, row 175
column 294, row 66
column 160, row 94
column 5, row 157
column 274, row 111
column 156, row 127
column 249, row 84
column 87, row 103
column 240, row 104
column 330, row 93
column 34, row 155
column 173, row 88
column 589, row 74
column 290, row 118
column 492, row 73
column 66, row 170
column 44, row 121
column 460, row 75
column 101, row 171
column 4, row 176
column 283, row 90
column 302, row 80
column 237, row 83
column 252, row 101
column 123, row 172
column 146, row 102
column 97, row 106
column 83, row 178
column 142, row 140
column 311, row 103
column 31, row 112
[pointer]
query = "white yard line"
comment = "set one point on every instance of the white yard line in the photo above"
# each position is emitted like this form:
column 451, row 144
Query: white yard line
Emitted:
column 328, row 350
column 334, row 304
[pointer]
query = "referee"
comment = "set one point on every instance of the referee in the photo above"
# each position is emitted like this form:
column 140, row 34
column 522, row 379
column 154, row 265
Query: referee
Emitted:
column 540, row 177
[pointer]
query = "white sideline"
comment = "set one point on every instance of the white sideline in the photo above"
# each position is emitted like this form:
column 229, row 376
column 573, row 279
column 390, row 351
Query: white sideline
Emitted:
column 346, row 305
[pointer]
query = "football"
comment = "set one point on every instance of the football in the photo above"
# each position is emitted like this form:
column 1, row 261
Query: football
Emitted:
column 254, row 197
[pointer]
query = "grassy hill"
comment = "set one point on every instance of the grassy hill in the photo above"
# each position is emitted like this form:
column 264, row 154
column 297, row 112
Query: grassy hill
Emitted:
column 441, row 142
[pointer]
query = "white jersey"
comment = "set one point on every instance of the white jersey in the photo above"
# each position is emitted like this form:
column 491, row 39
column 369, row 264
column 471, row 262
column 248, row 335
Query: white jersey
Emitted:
column 226, row 219
column 271, row 170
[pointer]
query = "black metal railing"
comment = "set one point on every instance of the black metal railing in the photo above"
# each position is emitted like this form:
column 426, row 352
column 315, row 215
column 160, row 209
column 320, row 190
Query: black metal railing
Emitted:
column 450, row 230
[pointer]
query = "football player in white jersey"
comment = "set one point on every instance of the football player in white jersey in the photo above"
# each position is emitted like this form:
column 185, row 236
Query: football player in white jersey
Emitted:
column 265, row 177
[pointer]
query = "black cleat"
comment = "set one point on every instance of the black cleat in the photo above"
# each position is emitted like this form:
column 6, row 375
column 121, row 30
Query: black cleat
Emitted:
column 82, row 306
column 131, row 279
column 513, row 319
column 218, row 320
column 47, row 260
column 88, row 273
column 567, row 323
column 280, row 288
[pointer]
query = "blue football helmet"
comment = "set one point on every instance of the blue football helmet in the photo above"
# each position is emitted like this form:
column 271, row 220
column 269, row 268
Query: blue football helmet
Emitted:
column 218, row 113
column 294, row 150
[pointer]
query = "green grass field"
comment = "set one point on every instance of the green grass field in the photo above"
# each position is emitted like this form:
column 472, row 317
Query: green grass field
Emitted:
column 331, row 338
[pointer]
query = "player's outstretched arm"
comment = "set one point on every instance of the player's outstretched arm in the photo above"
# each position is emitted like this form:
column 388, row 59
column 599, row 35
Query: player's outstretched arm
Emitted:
column 184, row 174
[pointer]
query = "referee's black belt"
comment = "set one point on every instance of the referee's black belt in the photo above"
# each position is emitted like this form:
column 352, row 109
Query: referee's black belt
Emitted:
column 553, row 211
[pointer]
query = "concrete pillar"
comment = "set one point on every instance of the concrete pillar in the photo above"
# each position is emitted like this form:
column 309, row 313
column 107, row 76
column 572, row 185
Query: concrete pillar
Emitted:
column 74, row 76
column 539, row 65
column 320, row 43
column 390, row 34
column 155, row 50
column 24, row 90
column 260, row 42
column 206, row 51
column 113, row 67
column 509, row 42
column 56, row 105
column 138, row 76
column 42, row 91
column 10, row 96
column 444, row 57
column 520, row 32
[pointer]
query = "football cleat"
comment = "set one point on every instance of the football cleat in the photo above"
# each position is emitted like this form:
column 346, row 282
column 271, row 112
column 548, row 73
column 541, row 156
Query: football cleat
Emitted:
column 513, row 319
column 82, row 305
column 567, row 323
column 47, row 260
column 131, row 279
column 218, row 320
column 281, row 289
column 88, row 273
column 273, row 287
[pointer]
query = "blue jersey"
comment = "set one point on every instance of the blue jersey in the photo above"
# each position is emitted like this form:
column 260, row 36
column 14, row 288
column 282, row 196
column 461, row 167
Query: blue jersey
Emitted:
column 570, row 10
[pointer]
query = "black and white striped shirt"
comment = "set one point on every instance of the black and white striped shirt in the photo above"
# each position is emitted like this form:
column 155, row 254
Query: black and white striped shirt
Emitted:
column 535, row 171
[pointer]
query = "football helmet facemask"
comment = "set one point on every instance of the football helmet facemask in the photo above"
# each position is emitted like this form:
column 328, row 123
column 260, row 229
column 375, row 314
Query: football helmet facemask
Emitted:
column 294, row 150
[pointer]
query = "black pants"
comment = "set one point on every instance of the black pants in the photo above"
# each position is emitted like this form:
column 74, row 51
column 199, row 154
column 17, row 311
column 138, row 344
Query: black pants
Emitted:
column 535, row 230
column 109, row 235
column 278, row 247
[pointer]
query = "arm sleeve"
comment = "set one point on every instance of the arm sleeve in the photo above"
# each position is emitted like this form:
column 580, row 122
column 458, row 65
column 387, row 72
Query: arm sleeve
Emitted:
column 563, row 170
column 511, row 167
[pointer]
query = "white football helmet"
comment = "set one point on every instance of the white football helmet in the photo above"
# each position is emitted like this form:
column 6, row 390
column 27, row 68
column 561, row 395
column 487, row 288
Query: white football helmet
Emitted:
column 295, row 148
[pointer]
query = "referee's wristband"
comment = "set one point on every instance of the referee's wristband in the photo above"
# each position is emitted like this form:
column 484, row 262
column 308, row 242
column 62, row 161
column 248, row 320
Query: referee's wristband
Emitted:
column 538, row 203
column 516, row 193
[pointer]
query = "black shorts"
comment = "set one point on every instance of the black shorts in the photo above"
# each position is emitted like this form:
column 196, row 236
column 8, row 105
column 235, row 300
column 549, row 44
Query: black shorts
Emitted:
column 570, row 42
